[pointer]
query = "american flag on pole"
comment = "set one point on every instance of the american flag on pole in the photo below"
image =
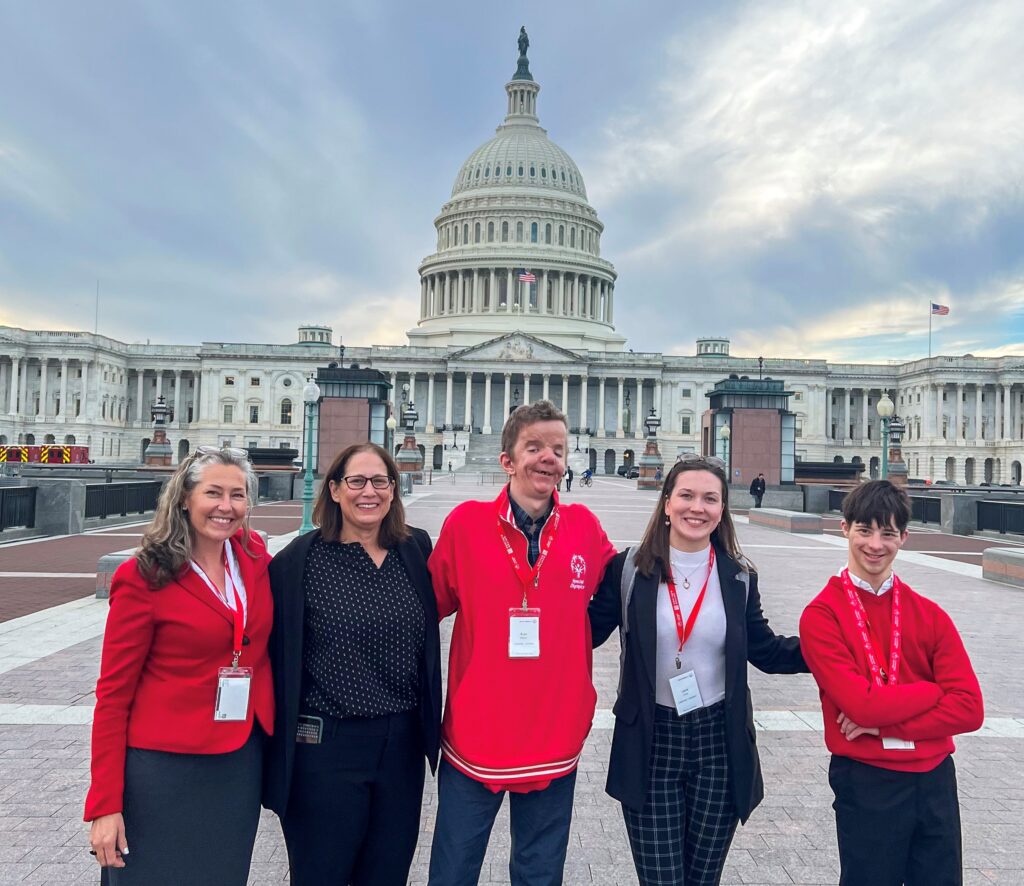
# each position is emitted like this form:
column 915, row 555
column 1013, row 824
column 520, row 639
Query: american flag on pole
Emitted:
column 526, row 277
column 940, row 310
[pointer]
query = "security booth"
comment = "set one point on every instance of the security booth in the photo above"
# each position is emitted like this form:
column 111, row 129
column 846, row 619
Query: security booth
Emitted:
column 749, row 426
column 353, row 408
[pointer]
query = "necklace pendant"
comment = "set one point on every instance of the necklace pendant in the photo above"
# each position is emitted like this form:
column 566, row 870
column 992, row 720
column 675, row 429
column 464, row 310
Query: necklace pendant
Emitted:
column 686, row 584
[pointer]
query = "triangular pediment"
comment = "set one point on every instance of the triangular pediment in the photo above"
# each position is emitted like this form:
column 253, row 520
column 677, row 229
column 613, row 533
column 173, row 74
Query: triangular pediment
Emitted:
column 515, row 347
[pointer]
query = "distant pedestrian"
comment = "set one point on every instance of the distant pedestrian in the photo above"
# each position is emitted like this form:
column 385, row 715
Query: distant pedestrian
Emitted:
column 568, row 479
column 757, row 486
column 657, row 474
column 451, row 470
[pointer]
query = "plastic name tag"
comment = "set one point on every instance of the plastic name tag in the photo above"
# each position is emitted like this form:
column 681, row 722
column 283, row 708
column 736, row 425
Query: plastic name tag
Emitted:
column 524, row 633
column 232, row 694
column 897, row 744
column 685, row 692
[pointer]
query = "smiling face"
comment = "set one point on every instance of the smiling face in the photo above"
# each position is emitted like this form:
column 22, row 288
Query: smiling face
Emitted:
column 873, row 549
column 694, row 509
column 362, row 510
column 217, row 505
column 536, row 462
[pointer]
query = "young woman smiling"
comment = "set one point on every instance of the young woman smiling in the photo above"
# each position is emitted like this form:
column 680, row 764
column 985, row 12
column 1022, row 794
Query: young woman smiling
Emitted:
column 684, row 759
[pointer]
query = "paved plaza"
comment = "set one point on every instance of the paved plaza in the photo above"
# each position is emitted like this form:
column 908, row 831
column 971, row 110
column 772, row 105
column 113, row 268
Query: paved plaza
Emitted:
column 50, row 634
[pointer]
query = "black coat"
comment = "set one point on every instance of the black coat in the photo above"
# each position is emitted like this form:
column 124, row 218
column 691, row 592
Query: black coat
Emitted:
column 748, row 637
column 286, row 573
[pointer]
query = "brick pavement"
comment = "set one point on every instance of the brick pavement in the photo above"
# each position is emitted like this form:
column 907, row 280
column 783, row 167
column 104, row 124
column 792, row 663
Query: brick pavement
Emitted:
column 789, row 839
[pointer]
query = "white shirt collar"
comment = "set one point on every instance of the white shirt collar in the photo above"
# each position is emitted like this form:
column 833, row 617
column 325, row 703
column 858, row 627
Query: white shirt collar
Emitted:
column 866, row 586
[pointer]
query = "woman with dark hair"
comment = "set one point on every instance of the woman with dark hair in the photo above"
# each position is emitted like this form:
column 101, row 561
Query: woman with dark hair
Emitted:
column 684, row 760
column 357, row 677
column 184, row 695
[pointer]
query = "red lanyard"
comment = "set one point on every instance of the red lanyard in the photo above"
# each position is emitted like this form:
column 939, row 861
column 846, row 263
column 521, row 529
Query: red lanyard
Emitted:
column 528, row 576
column 237, row 614
column 878, row 673
column 684, row 631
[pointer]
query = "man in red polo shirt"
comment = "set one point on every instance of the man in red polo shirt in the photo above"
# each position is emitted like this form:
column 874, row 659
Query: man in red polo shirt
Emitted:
column 896, row 686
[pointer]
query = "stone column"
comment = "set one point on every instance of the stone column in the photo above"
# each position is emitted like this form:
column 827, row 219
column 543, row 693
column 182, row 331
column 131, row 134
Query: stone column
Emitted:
column 140, row 376
column 978, row 430
column 474, row 295
column 958, row 434
column 430, row 403
column 639, row 431
column 828, row 413
column 393, row 397
column 487, row 403
column 63, row 389
column 3, row 380
column 424, row 307
column 13, row 400
column 44, row 365
column 448, row 393
column 492, row 294
column 583, row 401
column 618, row 415
column 542, row 294
column 546, row 387
column 600, row 407
column 86, row 401
column 508, row 396
column 938, row 413
column 1007, row 413
column 863, row 414
column 997, row 413
column 526, row 389
column 565, row 395
column 177, row 397
column 510, row 301
column 560, row 301
column 468, row 415
column 659, row 406
column 23, row 396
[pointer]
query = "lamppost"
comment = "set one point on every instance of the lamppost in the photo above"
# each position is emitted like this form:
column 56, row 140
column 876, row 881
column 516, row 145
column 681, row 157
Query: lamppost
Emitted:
column 885, row 408
column 651, row 461
column 515, row 401
column 409, row 459
column 391, row 423
column 725, row 433
column 310, row 396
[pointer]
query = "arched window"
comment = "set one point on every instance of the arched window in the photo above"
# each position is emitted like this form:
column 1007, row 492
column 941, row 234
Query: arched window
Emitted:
column 572, row 238
column 561, row 235
column 533, row 232
column 543, row 172
column 547, row 233
column 563, row 176
column 533, row 171
column 465, row 234
column 504, row 232
column 487, row 172
column 490, row 232
column 286, row 411
column 477, row 176
column 520, row 170
column 508, row 171
column 519, row 232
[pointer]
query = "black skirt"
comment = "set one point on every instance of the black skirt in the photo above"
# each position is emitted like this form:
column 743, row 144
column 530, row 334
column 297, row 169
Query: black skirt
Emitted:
column 190, row 818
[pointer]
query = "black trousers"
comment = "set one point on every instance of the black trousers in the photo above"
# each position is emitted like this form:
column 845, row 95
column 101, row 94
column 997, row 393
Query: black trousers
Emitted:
column 897, row 828
column 353, row 813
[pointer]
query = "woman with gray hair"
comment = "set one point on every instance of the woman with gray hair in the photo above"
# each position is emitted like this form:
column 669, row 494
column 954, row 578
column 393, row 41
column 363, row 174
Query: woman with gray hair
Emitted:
column 185, row 697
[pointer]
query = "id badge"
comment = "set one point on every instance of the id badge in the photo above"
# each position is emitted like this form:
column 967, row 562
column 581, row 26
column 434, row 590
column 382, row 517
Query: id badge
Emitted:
column 524, row 633
column 685, row 692
column 232, row 694
column 897, row 744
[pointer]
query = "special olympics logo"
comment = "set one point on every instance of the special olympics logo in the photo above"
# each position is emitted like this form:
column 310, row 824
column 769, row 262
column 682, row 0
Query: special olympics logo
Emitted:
column 578, row 566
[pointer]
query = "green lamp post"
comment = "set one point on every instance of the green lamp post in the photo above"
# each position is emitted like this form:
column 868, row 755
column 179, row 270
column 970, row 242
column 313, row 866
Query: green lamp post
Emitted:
column 885, row 408
column 310, row 395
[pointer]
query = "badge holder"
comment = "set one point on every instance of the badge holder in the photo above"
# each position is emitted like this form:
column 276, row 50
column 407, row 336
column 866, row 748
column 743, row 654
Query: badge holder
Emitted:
column 524, row 632
column 232, row 694
column 685, row 692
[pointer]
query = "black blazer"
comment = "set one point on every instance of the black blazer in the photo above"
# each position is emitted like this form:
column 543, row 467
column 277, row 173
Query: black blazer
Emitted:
column 747, row 638
column 286, row 572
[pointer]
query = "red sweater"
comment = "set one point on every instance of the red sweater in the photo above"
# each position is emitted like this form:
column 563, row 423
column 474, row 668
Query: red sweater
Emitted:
column 937, row 695
column 517, row 723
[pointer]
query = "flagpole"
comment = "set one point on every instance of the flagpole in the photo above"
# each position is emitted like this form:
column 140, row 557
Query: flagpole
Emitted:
column 929, row 330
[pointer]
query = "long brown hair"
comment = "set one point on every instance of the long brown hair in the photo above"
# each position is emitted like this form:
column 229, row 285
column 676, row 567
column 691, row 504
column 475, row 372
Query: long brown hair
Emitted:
column 166, row 547
column 652, row 554
column 327, row 512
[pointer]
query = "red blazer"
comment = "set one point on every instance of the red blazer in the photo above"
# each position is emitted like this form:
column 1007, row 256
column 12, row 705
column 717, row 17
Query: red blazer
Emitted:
column 158, row 675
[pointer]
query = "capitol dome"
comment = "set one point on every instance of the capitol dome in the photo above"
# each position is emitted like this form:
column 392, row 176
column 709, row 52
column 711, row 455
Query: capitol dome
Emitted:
column 518, row 245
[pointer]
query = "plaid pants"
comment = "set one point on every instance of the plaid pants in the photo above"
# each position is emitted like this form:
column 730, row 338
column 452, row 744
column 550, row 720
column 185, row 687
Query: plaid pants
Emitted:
column 682, row 835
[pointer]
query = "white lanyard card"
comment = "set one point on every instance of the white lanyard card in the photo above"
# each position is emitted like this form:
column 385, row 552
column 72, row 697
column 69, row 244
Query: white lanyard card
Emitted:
column 524, row 633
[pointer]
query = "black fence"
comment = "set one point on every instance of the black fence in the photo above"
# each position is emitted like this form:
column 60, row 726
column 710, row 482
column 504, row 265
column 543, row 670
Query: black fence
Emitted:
column 925, row 509
column 17, row 507
column 1001, row 516
column 121, row 499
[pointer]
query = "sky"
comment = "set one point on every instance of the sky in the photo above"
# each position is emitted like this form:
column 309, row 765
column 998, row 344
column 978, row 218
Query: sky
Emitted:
column 804, row 178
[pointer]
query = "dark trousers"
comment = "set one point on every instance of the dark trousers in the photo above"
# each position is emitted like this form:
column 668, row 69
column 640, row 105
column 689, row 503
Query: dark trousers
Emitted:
column 897, row 828
column 190, row 818
column 758, row 496
column 465, row 815
column 353, row 813
column 682, row 834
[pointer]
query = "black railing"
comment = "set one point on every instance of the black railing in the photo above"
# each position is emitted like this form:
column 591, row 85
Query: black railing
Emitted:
column 17, row 507
column 1001, row 516
column 925, row 509
column 121, row 499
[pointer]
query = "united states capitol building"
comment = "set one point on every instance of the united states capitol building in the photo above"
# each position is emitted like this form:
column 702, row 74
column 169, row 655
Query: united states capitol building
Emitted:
column 516, row 303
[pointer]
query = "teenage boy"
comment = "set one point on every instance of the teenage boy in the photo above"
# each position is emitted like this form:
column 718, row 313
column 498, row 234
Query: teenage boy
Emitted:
column 519, row 572
column 896, row 686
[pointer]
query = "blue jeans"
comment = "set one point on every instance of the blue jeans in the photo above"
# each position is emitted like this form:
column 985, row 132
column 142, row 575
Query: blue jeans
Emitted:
column 465, row 815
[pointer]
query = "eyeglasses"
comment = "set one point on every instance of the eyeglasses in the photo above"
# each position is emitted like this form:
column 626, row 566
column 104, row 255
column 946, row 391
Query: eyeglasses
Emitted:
column 214, row 450
column 713, row 460
column 357, row 481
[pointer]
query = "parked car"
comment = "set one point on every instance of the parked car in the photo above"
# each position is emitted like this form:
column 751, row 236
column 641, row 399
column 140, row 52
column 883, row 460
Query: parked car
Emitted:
column 630, row 472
